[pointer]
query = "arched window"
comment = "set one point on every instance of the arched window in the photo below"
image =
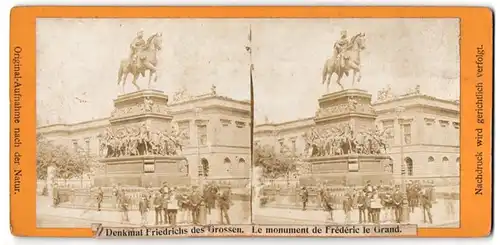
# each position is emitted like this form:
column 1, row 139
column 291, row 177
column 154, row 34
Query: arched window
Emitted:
column 241, row 161
column 409, row 166
column 445, row 160
column 227, row 164
column 430, row 159
column 204, row 168
column 458, row 160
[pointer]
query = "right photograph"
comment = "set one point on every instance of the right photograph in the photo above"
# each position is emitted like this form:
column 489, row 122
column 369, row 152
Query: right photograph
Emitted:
column 356, row 121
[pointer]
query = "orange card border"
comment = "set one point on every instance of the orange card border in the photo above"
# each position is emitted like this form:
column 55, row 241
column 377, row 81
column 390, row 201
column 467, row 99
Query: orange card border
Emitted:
column 476, row 29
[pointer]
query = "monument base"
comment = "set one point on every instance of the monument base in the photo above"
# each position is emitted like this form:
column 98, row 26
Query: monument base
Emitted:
column 349, row 169
column 144, row 170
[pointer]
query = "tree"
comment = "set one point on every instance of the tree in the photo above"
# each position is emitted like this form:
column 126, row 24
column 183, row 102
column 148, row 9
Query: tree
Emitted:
column 44, row 156
column 274, row 164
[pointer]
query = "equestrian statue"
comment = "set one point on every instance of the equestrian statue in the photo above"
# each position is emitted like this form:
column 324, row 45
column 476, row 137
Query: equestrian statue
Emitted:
column 142, row 58
column 346, row 57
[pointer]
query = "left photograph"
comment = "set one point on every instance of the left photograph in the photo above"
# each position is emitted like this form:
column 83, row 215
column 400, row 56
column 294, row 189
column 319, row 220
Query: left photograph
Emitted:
column 143, row 122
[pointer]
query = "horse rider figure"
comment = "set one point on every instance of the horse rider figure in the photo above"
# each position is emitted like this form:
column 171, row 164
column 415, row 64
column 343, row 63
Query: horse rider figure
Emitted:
column 138, row 44
column 339, row 49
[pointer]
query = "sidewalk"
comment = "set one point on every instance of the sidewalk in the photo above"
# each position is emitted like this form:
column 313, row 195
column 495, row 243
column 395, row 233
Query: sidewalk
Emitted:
column 109, row 216
column 315, row 216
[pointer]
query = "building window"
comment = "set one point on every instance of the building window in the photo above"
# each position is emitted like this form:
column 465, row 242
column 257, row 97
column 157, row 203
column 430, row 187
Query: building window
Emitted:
column 294, row 145
column 203, row 168
column 458, row 160
column 240, row 124
column 444, row 123
column 184, row 129
column 241, row 161
column 409, row 167
column 202, row 134
column 225, row 122
column 430, row 159
column 407, row 133
column 87, row 145
column 282, row 145
column 227, row 164
column 75, row 145
column 445, row 160
column 388, row 127
column 456, row 125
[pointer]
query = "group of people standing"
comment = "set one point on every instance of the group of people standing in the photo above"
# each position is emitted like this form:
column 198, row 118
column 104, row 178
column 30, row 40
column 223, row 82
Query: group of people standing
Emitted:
column 172, row 205
column 376, row 204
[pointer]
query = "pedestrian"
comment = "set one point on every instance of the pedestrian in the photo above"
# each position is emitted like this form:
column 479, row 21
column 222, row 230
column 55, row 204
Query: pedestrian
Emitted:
column 224, row 205
column 114, row 196
column 144, row 209
column 185, row 209
column 158, row 206
column 304, row 195
column 347, row 204
column 124, row 207
column 100, row 198
column 55, row 196
column 361, row 203
column 172, row 206
column 376, row 205
column 397, row 198
column 426, row 202
column 196, row 203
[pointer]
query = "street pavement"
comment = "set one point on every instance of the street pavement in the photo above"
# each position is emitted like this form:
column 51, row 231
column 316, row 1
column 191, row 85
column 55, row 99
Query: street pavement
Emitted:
column 270, row 215
column 48, row 216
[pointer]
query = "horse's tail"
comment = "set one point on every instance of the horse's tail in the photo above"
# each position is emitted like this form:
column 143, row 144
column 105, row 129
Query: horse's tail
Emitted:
column 325, row 72
column 120, row 73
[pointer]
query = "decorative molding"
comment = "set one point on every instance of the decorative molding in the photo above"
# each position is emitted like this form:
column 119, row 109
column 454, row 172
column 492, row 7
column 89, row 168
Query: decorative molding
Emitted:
column 240, row 124
column 225, row 122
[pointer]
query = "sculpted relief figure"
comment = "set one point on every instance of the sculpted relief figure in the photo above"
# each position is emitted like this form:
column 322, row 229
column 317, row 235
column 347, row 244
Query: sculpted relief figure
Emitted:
column 341, row 139
column 140, row 140
column 142, row 58
column 346, row 57
column 148, row 104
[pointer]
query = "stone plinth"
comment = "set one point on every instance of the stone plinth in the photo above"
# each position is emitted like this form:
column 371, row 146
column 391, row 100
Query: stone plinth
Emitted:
column 141, row 147
column 351, row 169
column 347, row 106
column 143, row 170
column 144, row 106
column 344, row 143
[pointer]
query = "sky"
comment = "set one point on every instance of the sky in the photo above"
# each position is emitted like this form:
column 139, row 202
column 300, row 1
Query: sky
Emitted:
column 399, row 52
column 80, row 58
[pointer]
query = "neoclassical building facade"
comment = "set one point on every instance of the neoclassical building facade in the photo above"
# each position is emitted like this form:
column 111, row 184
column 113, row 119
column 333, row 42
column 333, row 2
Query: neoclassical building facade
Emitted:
column 217, row 129
column 428, row 127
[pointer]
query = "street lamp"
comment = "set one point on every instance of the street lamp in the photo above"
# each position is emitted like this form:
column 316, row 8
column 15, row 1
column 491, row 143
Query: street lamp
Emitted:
column 405, row 210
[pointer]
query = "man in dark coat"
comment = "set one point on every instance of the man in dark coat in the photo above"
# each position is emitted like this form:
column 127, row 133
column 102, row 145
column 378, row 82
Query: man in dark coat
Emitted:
column 426, row 202
column 55, row 195
column 158, row 206
column 100, row 198
column 144, row 209
column 196, row 200
column 224, row 205
column 304, row 195
column 362, row 206
column 397, row 201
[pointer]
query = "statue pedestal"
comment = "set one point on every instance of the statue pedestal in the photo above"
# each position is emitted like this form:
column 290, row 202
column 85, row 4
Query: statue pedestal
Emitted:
column 343, row 148
column 141, row 145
